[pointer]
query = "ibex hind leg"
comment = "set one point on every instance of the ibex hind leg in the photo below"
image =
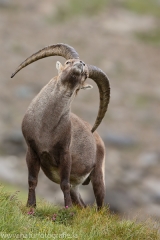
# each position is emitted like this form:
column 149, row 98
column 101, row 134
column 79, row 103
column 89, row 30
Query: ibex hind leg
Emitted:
column 33, row 170
column 76, row 197
column 98, row 182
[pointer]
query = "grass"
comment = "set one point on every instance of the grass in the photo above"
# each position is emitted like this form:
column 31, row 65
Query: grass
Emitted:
column 144, row 100
column 52, row 222
column 22, row 194
column 151, row 37
column 147, row 7
column 143, row 7
column 76, row 8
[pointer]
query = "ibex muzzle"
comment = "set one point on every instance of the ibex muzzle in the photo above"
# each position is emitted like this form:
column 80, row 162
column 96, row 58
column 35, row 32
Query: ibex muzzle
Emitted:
column 66, row 148
column 73, row 73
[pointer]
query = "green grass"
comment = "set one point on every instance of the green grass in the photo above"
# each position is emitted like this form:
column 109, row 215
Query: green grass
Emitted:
column 144, row 100
column 74, row 8
column 146, row 7
column 12, row 189
column 151, row 37
column 51, row 222
column 149, row 7
column 20, row 192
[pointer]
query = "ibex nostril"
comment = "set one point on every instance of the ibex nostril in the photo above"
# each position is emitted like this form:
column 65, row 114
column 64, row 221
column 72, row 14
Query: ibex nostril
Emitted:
column 82, row 63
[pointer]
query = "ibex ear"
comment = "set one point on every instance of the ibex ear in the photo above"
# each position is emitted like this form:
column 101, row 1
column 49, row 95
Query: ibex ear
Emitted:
column 86, row 86
column 59, row 66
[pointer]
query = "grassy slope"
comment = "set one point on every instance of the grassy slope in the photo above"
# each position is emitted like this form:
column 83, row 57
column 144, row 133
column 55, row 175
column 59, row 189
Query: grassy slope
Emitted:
column 78, row 224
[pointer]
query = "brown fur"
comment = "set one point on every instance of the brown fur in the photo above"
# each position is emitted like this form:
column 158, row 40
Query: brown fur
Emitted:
column 61, row 143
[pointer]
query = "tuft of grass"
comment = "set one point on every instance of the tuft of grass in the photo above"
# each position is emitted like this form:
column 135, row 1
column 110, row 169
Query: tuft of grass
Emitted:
column 76, row 8
column 52, row 222
column 150, row 7
column 144, row 100
column 151, row 37
column 22, row 194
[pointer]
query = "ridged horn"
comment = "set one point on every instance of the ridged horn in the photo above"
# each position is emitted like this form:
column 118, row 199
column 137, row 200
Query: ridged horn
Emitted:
column 97, row 75
column 59, row 49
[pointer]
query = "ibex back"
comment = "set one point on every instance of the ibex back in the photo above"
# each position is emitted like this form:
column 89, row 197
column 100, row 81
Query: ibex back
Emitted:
column 68, row 151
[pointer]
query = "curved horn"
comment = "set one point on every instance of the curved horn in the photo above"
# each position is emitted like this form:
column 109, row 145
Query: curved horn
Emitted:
column 102, row 82
column 59, row 49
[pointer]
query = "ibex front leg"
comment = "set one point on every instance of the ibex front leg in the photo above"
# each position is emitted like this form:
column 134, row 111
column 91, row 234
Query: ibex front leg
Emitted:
column 33, row 170
column 65, row 169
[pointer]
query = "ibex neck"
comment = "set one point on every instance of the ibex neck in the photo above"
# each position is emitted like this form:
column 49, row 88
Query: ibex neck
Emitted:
column 50, row 106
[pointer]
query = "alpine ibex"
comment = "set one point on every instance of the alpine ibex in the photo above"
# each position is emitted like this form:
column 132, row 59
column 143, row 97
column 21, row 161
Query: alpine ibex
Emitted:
column 69, row 152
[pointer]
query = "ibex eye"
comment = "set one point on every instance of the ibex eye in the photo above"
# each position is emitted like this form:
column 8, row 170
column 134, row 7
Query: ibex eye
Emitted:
column 68, row 62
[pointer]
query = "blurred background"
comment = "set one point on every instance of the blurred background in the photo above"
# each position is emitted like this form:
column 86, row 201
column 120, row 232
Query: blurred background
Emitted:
column 122, row 37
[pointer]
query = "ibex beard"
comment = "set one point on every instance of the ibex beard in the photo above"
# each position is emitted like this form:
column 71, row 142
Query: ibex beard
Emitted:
column 59, row 142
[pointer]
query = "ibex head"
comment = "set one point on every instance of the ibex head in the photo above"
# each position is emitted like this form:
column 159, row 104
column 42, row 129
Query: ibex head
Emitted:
column 74, row 73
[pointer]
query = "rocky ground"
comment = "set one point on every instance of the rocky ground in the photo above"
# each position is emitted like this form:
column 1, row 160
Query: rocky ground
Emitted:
column 121, row 42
